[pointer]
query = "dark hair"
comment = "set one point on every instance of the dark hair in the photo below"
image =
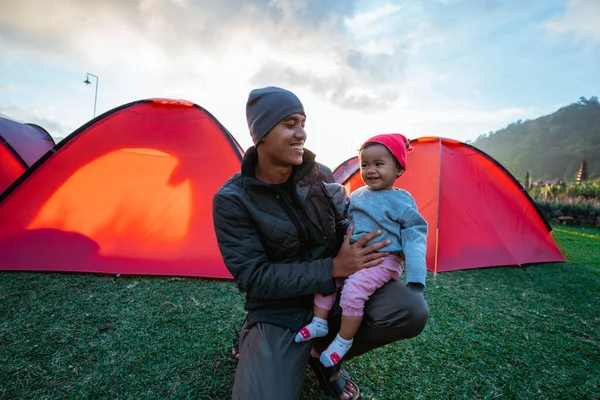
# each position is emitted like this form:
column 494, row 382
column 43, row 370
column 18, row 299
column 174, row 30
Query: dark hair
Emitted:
column 371, row 144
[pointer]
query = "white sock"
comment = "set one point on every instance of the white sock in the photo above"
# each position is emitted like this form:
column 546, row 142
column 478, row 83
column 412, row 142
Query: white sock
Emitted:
column 316, row 328
column 334, row 353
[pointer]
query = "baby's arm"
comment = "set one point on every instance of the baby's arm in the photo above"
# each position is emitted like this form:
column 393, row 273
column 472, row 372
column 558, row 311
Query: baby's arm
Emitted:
column 414, row 244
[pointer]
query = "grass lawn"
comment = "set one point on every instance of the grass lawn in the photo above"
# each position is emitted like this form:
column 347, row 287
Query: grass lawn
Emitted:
column 524, row 333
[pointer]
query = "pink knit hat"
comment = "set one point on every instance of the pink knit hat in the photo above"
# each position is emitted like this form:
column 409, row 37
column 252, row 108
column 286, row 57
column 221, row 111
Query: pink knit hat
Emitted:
column 396, row 143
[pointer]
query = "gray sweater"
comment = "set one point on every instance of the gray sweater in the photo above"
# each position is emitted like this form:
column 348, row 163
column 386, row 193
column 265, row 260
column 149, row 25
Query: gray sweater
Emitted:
column 395, row 213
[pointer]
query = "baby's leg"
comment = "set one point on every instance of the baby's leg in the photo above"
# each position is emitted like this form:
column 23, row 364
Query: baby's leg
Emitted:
column 342, row 342
column 318, row 326
column 362, row 284
column 357, row 290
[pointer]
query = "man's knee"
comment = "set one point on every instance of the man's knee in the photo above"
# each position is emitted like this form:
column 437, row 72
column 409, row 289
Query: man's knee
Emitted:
column 417, row 319
column 396, row 307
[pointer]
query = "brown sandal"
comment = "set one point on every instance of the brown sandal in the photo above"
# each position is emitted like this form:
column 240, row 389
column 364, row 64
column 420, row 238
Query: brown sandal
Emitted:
column 334, row 387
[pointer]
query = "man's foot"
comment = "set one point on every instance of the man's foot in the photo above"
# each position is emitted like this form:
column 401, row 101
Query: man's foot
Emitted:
column 334, row 353
column 334, row 380
column 317, row 328
column 235, row 348
column 351, row 391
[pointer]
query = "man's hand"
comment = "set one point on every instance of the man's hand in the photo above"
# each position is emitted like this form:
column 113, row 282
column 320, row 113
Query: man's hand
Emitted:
column 354, row 257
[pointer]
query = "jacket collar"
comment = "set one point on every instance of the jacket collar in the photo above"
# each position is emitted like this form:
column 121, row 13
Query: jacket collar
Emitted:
column 251, row 159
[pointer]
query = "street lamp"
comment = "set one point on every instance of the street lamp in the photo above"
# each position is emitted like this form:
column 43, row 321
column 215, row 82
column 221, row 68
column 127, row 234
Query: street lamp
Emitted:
column 87, row 82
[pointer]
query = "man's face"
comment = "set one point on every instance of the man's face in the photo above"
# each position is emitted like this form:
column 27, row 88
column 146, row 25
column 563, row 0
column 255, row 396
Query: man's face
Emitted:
column 284, row 144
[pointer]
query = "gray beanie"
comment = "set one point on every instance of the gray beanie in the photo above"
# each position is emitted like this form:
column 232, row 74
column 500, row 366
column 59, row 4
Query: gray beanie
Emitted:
column 267, row 106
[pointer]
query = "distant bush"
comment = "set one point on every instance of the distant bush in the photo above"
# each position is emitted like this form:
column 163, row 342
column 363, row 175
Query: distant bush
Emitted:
column 584, row 189
column 571, row 206
column 568, row 203
column 571, row 190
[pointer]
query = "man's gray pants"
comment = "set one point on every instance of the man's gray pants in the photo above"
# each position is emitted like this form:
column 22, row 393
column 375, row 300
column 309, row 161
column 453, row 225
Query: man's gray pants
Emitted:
column 272, row 365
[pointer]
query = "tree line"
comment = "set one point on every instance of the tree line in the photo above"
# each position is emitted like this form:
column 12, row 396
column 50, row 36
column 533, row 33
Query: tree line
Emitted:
column 551, row 147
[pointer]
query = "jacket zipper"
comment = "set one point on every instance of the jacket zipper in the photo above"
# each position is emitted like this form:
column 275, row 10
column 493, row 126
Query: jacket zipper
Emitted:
column 295, row 216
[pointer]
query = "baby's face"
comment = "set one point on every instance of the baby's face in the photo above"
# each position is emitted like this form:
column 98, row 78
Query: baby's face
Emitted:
column 378, row 168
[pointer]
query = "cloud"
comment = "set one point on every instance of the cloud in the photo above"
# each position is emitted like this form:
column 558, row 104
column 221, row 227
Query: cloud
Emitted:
column 6, row 88
column 348, row 69
column 369, row 20
column 172, row 25
column 359, row 84
column 276, row 40
column 41, row 116
column 580, row 18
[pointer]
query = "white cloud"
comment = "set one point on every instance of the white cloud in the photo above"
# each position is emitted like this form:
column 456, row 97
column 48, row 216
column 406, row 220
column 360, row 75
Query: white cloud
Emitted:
column 298, row 43
column 6, row 88
column 582, row 18
column 368, row 23
column 43, row 116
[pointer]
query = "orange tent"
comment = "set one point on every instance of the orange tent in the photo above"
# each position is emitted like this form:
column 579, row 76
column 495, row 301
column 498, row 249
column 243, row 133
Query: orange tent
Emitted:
column 129, row 193
column 21, row 145
column 478, row 214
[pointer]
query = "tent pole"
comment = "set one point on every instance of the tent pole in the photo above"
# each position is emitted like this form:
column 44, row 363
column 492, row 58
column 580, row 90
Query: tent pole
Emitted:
column 437, row 232
column 437, row 219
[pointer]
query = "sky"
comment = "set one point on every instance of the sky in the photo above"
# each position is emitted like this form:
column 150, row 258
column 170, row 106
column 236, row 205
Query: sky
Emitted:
column 449, row 68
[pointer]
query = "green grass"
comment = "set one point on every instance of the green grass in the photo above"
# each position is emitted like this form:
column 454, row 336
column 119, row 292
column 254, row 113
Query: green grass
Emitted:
column 530, row 333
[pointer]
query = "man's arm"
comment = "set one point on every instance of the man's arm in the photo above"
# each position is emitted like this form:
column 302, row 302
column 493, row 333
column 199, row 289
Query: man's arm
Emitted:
column 246, row 259
column 340, row 202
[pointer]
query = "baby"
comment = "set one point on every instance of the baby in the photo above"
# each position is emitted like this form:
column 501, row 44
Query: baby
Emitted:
column 378, row 205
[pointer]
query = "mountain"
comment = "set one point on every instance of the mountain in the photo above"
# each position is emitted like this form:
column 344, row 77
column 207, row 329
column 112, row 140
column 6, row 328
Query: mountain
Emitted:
column 549, row 147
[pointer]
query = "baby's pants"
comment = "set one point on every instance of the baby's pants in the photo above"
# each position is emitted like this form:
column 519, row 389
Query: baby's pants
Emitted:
column 359, row 286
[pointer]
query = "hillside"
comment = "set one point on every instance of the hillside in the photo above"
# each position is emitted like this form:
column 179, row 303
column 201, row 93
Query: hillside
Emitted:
column 549, row 147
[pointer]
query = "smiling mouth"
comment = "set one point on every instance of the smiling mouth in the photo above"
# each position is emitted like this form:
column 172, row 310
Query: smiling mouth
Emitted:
column 298, row 147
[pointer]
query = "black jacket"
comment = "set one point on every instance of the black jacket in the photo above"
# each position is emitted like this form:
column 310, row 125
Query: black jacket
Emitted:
column 279, row 249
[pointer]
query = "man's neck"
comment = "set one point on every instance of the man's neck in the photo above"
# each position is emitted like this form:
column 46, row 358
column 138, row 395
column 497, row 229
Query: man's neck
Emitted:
column 272, row 174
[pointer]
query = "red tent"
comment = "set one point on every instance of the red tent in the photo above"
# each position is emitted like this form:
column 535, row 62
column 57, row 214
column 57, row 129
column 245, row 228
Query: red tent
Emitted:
column 346, row 169
column 130, row 193
column 21, row 145
column 478, row 214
